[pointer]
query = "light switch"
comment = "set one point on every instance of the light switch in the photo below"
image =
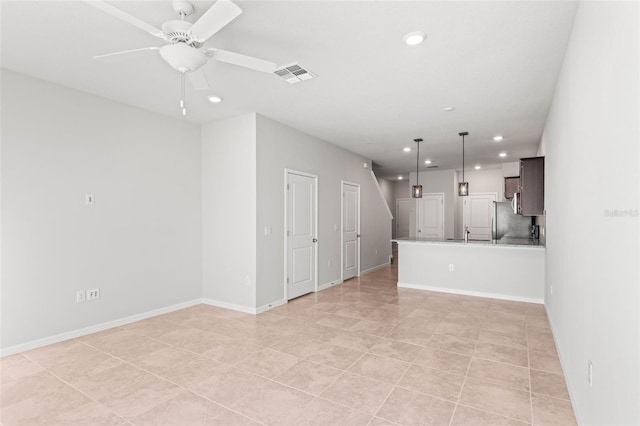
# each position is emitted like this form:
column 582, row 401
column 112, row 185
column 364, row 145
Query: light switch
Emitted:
column 89, row 199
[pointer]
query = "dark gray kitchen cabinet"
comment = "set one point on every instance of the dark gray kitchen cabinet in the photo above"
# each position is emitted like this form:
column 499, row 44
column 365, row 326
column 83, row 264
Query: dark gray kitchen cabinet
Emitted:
column 531, row 198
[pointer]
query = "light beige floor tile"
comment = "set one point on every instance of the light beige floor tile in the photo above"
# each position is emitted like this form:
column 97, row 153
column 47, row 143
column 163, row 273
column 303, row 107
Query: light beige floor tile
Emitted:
column 309, row 377
column 337, row 321
column 229, row 386
column 153, row 327
column 273, row 404
column 549, row 411
column 545, row 361
column 442, row 360
column 51, row 355
column 396, row 349
column 468, row 329
column 409, row 335
column 501, row 353
column 335, row 356
column 377, row 421
column 549, row 384
column 358, row 392
column 142, row 396
column 356, row 341
column 184, row 409
column 268, row 363
column 467, row 416
column 231, row 351
column 91, row 413
column 518, row 341
column 412, row 408
column 452, row 344
column 190, row 371
column 505, row 327
column 371, row 327
column 12, row 392
column 496, row 399
column 230, row 418
column 421, row 324
column 503, row 374
column 381, row 368
column 102, row 384
column 16, row 367
column 90, row 364
column 321, row 412
column 433, row 382
column 299, row 346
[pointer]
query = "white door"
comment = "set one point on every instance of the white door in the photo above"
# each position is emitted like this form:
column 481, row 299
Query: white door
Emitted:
column 403, row 207
column 477, row 215
column 350, row 230
column 301, row 234
column 431, row 216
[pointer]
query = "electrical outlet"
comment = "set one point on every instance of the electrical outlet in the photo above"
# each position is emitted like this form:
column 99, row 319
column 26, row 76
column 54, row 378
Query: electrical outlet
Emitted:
column 80, row 296
column 89, row 199
column 247, row 280
column 451, row 267
column 590, row 373
column 94, row 293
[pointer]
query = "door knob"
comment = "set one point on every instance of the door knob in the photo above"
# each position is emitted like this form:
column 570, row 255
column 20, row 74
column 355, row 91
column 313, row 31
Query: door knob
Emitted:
column 357, row 235
column 315, row 240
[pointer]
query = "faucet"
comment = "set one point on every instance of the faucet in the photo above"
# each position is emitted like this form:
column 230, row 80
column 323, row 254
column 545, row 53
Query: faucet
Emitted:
column 466, row 234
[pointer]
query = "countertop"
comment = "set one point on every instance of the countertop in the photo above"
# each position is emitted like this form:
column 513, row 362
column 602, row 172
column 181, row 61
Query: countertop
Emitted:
column 503, row 242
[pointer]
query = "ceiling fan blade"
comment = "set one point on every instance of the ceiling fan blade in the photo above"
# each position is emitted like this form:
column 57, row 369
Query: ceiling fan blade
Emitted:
column 213, row 20
column 109, row 57
column 199, row 80
column 124, row 16
column 242, row 60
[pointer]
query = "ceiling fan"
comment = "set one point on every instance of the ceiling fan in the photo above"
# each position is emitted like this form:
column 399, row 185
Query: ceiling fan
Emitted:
column 184, row 40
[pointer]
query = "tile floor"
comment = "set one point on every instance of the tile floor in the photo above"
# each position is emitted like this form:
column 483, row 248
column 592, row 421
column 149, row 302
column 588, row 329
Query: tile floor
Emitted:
column 361, row 353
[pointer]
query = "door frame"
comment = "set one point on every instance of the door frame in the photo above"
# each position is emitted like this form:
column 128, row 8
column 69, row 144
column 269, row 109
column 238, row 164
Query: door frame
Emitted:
column 342, row 183
column 284, row 232
column 444, row 218
column 397, row 215
column 464, row 204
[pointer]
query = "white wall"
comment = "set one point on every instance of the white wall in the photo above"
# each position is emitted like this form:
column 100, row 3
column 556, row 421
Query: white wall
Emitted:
column 140, row 242
column 229, row 211
column 280, row 147
column 386, row 186
column 401, row 189
column 591, row 145
column 434, row 182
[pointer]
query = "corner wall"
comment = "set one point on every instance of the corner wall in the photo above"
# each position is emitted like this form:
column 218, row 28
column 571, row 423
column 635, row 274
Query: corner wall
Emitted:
column 280, row 147
column 591, row 146
column 140, row 243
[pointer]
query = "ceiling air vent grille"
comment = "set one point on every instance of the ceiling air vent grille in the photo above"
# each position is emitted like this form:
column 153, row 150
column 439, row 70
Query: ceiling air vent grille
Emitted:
column 432, row 167
column 294, row 73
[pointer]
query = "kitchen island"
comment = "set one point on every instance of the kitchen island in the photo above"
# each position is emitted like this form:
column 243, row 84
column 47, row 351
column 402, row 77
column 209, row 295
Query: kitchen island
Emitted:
column 511, row 269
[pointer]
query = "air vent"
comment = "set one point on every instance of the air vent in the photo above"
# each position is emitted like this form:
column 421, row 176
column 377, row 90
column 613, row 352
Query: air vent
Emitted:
column 432, row 167
column 294, row 73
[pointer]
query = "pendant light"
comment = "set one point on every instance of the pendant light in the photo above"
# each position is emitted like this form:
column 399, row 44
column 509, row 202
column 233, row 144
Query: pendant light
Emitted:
column 463, row 187
column 417, row 189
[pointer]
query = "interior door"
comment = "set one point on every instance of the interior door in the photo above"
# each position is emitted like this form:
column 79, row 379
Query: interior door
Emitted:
column 431, row 216
column 477, row 214
column 403, row 207
column 301, row 234
column 350, row 230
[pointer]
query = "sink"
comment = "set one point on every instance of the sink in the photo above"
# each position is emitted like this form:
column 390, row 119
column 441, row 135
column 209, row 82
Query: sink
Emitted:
column 462, row 239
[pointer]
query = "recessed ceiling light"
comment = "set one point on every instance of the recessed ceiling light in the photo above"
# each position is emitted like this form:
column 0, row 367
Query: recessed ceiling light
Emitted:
column 215, row 99
column 497, row 138
column 503, row 154
column 427, row 161
column 449, row 109
column 406, row 149
column 399, row 177
column 414, row 38
column 478, row 167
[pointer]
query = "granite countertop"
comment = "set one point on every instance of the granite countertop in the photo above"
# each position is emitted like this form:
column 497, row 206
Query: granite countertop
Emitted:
column 503, row 242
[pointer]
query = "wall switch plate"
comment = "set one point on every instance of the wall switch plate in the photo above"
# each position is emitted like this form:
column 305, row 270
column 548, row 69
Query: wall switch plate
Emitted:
column 590, row 373
column 93, row 294
column 89, row 199
column 551, row 290
column 329, row 264
column 80, row 296
column 451, row 267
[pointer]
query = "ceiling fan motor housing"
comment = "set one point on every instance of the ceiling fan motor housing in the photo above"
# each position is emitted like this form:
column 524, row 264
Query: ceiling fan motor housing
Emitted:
column 183, row 57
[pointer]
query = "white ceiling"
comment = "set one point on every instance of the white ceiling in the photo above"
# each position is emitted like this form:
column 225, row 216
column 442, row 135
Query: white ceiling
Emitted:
column 495, row 62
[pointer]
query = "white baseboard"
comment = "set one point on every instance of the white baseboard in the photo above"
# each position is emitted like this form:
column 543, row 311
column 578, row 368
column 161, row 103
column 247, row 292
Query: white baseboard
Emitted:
column 375, row 268
column 328, row 285
column 472, row 293
column 264, row 308
column 22, row 347
column 227, row 305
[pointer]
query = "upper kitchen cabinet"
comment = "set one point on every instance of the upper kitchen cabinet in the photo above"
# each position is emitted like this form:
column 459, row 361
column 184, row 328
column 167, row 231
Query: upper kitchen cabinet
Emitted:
column 531, row 198
column 511, row 186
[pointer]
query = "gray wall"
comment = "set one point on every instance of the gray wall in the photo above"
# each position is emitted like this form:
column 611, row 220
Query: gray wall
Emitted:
column 229, row 211
column 280, row 147
column 401, row 189
column 591, row 146
column 141, row 241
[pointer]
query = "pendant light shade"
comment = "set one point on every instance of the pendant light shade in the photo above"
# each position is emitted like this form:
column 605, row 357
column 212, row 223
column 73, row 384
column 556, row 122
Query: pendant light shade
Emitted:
column 463, row 187
column 416, row 191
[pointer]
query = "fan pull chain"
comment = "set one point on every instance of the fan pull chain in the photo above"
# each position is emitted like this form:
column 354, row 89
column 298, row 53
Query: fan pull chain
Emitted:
column 182, row 97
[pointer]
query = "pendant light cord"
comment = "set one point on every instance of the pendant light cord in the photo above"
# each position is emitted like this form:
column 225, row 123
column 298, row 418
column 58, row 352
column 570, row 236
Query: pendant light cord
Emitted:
column 418, row 163
column 463, row 159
